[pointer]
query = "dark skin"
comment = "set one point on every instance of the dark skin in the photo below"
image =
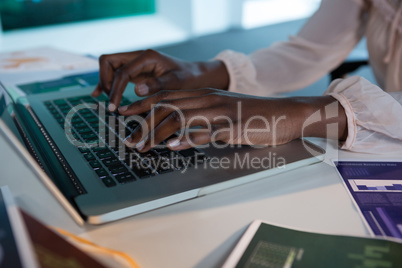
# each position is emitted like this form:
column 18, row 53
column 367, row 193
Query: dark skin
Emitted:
column 187, row 94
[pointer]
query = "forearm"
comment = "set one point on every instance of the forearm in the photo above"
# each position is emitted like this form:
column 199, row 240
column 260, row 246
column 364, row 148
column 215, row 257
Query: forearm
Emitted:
column 321, row 116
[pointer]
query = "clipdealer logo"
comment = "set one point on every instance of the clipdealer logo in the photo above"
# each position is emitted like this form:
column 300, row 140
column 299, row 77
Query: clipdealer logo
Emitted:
column 236, row 161
column 110, row 134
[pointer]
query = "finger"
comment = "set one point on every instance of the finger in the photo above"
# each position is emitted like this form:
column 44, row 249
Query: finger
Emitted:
column 108, row 64
column 171, row 125
column 153, row 119
column 152, row 85
column 116, row 94
column 199, row 137
column 144, row 63
column 146, row 104
column 97, row 91
column 190, row 140
column 179, row 112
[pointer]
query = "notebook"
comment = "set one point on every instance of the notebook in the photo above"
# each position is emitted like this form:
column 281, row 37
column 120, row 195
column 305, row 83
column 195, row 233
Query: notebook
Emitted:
column 85, row 164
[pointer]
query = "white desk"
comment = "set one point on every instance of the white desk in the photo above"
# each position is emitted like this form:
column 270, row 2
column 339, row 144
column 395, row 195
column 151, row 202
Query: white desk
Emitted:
column 202, row 232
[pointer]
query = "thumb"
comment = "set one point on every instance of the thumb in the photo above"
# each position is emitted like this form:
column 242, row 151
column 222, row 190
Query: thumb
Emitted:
column 152, row 85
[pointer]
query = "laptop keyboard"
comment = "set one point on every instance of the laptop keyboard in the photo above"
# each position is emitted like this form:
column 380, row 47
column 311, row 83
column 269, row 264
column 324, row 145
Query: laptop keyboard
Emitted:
column 113, row 162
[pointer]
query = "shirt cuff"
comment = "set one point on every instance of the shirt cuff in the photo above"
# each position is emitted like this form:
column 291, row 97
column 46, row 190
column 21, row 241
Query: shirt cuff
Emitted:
column 240, row 70
column 351, row 120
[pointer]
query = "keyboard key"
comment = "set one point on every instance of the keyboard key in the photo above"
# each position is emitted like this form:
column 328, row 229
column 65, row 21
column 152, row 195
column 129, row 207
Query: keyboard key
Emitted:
column 143, row 173
column 103, row 98
column 164, row 168
column 87, row 99
column 64, row 106
column 57, row 115
column 110, row 161
column 77, row 120
column 92, row 119
column 81, row 124
column 89, row 157
column 84, row 130
column 53, row 110
column 116, row 147
column 131, row 159
column 104, row 154
column 60, row 121
column 163, row 150
column 75, row 102
column 85, row 111
column 109, row 182
column 98, row 149
column 117, row 169
column 84, row 150
column 74, row 99
column 180, row 163
column 99, row 129
column 89, row 136
column 89, row 116
column 125, row 177
column 150, row 154
column 95, row 164
column 189, row 152
column 101, row 172
column 169, row 155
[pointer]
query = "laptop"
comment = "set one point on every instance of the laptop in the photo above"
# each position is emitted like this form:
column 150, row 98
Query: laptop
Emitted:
column 75, row 147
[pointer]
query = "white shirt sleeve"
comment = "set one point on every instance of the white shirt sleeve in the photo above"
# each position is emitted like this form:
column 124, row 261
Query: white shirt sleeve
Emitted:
column 321, row 45
column 374, row 116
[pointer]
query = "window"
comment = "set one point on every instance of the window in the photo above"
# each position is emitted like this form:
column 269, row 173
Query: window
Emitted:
column 263, row 12
column 17, row 14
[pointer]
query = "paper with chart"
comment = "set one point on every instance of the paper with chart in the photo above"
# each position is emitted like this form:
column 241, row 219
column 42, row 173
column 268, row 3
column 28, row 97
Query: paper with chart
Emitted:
column 43, row 59
column 46, row 69
column 265, row 245
column 376, row 189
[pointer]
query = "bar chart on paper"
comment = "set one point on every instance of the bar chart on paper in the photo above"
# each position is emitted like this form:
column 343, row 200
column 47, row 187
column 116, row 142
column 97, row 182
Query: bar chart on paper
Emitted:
column 361, row 185
column 376, row 188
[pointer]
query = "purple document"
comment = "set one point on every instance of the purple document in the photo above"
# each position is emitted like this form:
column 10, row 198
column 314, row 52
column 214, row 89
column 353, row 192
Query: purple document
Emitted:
column 376, row 188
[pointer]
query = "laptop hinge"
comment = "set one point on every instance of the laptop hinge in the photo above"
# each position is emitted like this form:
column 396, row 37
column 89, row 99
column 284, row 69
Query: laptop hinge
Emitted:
column 53, row 147
column 27, row 142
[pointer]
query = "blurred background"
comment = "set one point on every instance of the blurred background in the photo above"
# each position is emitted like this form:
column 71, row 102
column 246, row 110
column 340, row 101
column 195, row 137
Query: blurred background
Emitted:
column 106, row 26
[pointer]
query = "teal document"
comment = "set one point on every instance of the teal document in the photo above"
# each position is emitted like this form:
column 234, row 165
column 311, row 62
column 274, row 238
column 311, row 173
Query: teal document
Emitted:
column 265, row 245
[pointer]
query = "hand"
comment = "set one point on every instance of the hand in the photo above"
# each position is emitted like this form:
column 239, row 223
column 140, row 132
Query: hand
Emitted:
column 223, row 116
column 152, row 71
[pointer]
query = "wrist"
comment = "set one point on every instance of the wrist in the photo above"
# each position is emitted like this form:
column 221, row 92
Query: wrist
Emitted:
column 213, row 74
column 317, row 114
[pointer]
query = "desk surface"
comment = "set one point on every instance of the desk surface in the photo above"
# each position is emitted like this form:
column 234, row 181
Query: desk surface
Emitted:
column 203, row 231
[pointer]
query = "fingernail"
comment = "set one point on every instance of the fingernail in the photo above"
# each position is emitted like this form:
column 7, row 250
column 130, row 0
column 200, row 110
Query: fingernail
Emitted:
column 111, row 107
column 140, row 145
column 143, row 89
column 174, row 143
column 123, row 108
